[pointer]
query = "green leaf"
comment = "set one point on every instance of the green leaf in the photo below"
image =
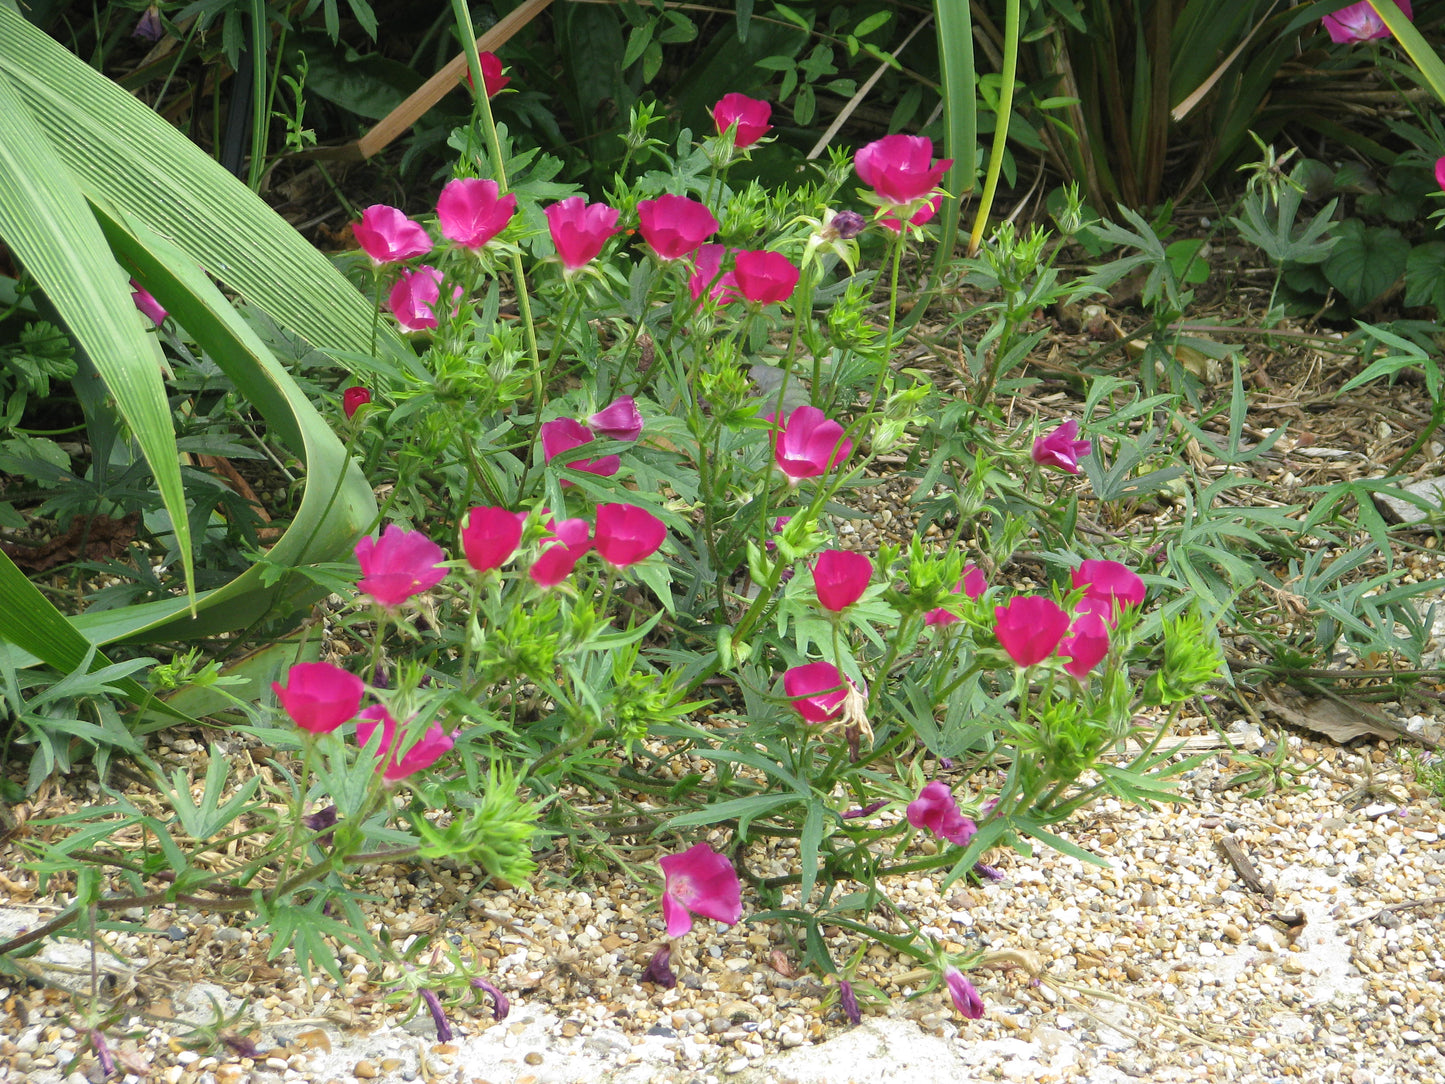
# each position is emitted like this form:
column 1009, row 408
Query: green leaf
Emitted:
column 1425, row 276
column 1366, row 261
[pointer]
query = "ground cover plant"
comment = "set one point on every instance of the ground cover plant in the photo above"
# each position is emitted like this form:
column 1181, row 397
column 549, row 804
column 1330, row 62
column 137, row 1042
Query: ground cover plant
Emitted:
column 610, row 570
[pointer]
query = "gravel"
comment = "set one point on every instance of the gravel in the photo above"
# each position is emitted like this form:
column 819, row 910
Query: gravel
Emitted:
column 1162, row 966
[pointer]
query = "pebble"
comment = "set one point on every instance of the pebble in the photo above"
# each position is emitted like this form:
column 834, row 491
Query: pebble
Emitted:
column 365, row 1070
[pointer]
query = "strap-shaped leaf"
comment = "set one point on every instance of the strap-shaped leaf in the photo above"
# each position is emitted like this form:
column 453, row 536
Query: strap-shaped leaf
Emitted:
column 124, row 155
column 47, row 224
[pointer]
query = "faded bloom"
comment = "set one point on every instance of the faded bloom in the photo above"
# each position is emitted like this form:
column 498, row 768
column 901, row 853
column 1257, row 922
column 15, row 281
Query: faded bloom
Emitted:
column 490, row 536
column 1360, row 22
column 848, row 1002
column 399, row 564
column 659, row 969
column 965, row 997
column 749, row 114
column 848, row 224
column 840, row 577
column 438, row 1016
column 1030, row 627
column 1440, row 172
column 319, row 697
column 579, row 230
column 765, row 278
column 674, row 226
column 1062, row 448
column 618, row 420
column 387, row 235
column 353, row 399
column 808, row 444
column 423, row 754
column 936, row 810
column 817, row 691
column 900, row 168
column 149, row 27
column 472, row 210
column 698, row 882
column 500, row 1005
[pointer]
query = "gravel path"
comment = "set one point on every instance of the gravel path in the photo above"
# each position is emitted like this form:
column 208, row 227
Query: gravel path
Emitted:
column 1165, row 966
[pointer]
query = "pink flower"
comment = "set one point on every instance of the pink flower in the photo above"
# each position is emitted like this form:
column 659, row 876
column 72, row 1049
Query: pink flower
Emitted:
column 414, row 296
column 1107, row 585
column 936, row 810
column 706, row 265
column 698, row 882
column 973, row 585
column 618, row 420
column 146, row 303
column 353, row 399
column 490, row 537
column 765, row 278
column 579, row 230
column 562, row 435
column 1030, row 628
column 750, row 115
column 920, row 216
column 387, row 235
column 569, row 542
column 1086, row 645
column 965, row 997
column 673, row 226
column 817, row 690
column 1440, row 172
column 398, row 565
column 319, row 697
column 840, row 578
column 471, row 211
column 1359, row 22
column 900, row 168
column 492, row 78
column 423, row 754
column 1061, row 448
column 808, row 444
column 627, row 534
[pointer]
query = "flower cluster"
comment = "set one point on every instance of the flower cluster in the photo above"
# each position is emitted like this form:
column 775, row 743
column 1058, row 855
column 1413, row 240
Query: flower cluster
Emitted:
column 1032, row 628
column 619, row 420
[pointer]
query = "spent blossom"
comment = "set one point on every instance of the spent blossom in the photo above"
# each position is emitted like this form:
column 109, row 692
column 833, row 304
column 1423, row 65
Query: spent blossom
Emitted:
column 965, row 998
column 699, row 882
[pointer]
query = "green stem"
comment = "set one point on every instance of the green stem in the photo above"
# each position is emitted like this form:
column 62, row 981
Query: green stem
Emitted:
column 1009, row 77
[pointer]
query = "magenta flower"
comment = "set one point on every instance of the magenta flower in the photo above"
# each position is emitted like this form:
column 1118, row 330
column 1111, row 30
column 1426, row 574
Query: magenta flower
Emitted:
column 319, row 697
column 147, row 303
column 1108, row 586
column 423, row 754
column 1030, row 627
column 387, row 235
column 920, row 216
column 414, row 296
column 492, row 78
column 965, row 997
column 471, row 211
column 765, row 278
column 817, row 690
column 705, row 278
column 808, row 444
column 1360, row 22
column 674, row 226
column 618, row 420
column 490, row 536
column 698, row 882
column 848, row 1002
column 936, row 810
column 579, row 230
column 1086, row 645
column 627, row 534
column 1062, row 448
column 566, row 546
column 973, row 585
column 398, row 565
column 900, row 168
column 750, row 115
column 840, row 577
column 353, row 399
column 1440, row 172
column 562, row 435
